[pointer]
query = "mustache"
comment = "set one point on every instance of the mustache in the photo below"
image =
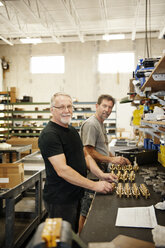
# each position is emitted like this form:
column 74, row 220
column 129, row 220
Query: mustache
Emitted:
column 66, row 115
column 105, row 112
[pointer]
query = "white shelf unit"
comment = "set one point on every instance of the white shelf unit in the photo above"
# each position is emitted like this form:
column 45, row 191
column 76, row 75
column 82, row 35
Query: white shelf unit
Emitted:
column 154, row 128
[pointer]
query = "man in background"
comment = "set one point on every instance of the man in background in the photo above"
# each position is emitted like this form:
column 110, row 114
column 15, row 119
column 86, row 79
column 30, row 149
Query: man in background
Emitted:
column 95, row 141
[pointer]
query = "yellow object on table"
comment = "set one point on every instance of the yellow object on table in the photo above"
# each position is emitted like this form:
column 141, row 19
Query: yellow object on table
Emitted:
column 51, row 232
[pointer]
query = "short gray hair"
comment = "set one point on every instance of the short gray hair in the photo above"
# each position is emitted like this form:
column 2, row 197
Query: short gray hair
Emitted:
column 58, row 94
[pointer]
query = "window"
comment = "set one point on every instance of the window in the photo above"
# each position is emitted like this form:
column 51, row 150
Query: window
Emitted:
column 47, row 64
column 116, row 62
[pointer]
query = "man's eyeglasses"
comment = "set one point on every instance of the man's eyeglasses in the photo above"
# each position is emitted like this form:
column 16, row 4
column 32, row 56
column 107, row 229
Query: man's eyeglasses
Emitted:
column 62, row 108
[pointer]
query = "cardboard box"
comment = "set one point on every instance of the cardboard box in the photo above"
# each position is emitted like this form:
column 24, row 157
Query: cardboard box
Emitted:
column 11, row 174
column 13, row 89
column 13, row 97
column 18, row 141
column 24, row 141
column 131, row 86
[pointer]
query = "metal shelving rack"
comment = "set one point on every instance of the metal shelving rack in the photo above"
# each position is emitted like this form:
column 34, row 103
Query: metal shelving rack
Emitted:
column 154, row 88
column 153, row 85
column 21, row 125
column 154, row 128
column 153, row 82
column 5, row 112
column 17, row 221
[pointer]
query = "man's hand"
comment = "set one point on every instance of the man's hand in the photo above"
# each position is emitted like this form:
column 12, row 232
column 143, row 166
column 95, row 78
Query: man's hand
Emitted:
column 103, row 187
column 111, row 178
column 120, row 160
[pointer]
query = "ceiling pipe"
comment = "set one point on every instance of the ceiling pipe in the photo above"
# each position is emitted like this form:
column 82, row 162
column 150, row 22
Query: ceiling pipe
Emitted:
column 135, row 20
column 104, row 15
column 38, row 20
column 73, row 16
column 88, row 38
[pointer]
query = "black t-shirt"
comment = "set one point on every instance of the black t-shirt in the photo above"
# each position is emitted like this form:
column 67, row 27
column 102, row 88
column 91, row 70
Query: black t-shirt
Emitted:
column 54, row 140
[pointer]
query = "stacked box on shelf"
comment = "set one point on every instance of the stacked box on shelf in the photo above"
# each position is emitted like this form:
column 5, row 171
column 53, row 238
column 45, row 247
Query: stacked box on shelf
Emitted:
column 11, row 174
column 13, row 94
column 17, row 141
column 20, row 141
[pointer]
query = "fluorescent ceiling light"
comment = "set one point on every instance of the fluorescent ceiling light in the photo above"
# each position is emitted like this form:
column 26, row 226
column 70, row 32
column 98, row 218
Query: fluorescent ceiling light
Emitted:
column 31, row 40
column 108, row 37
column 1, row 4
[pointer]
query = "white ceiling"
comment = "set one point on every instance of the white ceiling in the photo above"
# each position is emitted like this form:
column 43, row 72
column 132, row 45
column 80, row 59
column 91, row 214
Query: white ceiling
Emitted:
column 79, row 20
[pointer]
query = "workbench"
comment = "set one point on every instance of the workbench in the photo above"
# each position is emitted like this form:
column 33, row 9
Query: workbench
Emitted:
column 21, row 207
column 17, row 150
column 100, row 223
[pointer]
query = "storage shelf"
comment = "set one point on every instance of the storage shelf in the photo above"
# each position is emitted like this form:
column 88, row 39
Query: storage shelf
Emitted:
column 6, row 130
column 84, row 103
column 12, row 116
column 47, row 103
column 25, row 134
column 157, row 126
column 31, row 111
column 4, row 93
column 9, row 111
column 160, row 123
column 156, row 85
column 30, row 103
column 5, row 118
column 27, row 128
column 83, row 119
column 30, row 119
column 154, row 128
column 47, row 111
column 16, row 215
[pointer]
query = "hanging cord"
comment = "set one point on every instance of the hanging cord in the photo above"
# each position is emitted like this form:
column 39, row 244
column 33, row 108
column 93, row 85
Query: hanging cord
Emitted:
column 146, row 38
column 150, row 26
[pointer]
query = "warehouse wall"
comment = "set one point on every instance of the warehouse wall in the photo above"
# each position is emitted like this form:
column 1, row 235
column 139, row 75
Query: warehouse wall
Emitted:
column 81, row 78
column 1, row 75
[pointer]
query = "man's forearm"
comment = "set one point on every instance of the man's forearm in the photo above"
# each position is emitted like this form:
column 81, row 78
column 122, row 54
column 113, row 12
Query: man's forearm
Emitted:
column 105, row 159
column 97, row 156
column 73, row 177
column 93, row 167
column 68, row 173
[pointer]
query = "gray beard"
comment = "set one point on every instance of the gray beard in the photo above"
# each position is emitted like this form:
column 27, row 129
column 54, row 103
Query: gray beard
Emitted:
column 65, row 121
